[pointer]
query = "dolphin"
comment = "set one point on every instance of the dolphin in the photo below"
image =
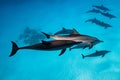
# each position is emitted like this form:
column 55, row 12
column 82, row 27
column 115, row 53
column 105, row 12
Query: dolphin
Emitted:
column 93, row 11
column 83, row 46
column 106, row 14
column 98, row 22
column 46, row 46
column 97, row 53
column 101, row 7
column 75, row 36
column 64, row 31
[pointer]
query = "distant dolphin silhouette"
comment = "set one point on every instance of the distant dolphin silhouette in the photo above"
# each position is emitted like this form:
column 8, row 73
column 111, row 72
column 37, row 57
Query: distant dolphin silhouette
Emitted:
column 46, row 46
column 64, row 31
column 101, row 7
column 75, row 36
column 108, row 15
column 97, row 53
column 98, row 22
column 93, row 11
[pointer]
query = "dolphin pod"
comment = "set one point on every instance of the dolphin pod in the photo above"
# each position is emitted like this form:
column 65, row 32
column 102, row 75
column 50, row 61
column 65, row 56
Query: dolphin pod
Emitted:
column 60, row 43
column 76, row 37
column 71, row 38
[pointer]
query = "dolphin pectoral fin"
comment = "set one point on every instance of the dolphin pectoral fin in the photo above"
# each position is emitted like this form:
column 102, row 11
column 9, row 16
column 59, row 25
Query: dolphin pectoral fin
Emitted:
column 83, row 56
column 84, row 47
column 103, row 55
column 90, row 45
column 45, row 42
column 14, row 49
column 62, row 52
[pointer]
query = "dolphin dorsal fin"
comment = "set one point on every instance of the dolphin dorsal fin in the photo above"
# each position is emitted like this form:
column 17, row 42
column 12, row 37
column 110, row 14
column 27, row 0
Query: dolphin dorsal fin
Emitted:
column 63, row 29
column 75, row 31
column 45, row 42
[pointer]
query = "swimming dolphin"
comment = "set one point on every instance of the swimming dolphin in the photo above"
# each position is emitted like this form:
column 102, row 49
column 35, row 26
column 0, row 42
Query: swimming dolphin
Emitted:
column 98, row 22
column 93, row 11
column 97, row 53
column 75, row 36
column 64, row 31
column 108, row 15
column 46, row 46
column 83, row 46
column 102, row 7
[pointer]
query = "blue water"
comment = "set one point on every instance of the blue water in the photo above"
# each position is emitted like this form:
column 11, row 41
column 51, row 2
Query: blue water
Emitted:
column 50, row 16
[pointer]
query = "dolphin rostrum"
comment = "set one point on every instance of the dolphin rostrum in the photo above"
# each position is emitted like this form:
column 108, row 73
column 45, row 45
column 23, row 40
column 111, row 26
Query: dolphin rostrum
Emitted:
column 97, row 53
column 75, row 36
column 64, row 31
column 46, row 46
column 101, row 7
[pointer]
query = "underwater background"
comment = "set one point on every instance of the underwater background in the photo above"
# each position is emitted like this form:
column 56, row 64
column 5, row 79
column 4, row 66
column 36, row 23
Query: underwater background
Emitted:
column 50, row 16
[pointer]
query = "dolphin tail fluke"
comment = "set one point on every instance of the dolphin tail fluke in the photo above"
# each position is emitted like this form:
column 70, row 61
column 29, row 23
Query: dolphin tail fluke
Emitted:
column 83, row 56
column 47, row 35
column 14, row 49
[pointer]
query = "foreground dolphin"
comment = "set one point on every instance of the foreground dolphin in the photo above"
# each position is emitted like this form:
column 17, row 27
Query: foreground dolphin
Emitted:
column 98, row 22
column 108, row 15
column 93, row 11
column 64, row 31
column 101, row 7
column 83, row 46
column 97, row 53
column 46, row 46
column 76, row 37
